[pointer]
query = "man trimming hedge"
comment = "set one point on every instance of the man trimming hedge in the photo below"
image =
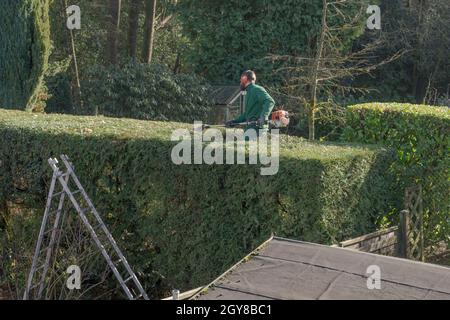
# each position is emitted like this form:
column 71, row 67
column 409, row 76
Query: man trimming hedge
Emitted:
column 258, row 104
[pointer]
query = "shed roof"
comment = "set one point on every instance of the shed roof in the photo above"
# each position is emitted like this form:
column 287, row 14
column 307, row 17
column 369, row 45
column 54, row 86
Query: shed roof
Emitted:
column 223, row 95
column 289, row 269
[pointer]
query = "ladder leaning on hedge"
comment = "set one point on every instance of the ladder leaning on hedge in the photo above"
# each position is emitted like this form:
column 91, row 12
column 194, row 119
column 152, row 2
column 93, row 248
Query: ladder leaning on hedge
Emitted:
column 43, row 253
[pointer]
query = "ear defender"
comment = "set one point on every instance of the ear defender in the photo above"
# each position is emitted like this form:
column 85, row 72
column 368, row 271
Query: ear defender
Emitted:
column 250, row 75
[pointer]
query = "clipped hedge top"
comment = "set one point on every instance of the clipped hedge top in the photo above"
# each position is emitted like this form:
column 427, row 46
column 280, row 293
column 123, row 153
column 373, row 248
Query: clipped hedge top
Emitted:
column 441, row 112
column 124, row 129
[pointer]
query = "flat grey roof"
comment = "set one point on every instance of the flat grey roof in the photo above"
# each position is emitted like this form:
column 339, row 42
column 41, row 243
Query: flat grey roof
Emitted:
column 287, row 269
column 223, row 95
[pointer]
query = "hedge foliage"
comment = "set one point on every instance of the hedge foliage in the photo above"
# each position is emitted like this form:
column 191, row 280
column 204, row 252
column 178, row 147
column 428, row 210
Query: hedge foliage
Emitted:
column 420, row 135
column 148, row 92
column 24, row 51
column 181, row 226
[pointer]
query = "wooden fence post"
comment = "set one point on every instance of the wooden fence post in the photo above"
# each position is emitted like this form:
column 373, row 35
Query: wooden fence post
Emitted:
column 403, row 242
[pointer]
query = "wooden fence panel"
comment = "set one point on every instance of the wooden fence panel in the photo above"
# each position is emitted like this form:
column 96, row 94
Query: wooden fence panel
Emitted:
column 381, row 242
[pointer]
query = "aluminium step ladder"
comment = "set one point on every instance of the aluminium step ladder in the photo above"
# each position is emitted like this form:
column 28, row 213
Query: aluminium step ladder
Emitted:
column 50, row 231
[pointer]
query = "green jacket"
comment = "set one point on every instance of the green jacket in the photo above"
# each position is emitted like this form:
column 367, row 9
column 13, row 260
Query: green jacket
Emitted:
column 257, row 103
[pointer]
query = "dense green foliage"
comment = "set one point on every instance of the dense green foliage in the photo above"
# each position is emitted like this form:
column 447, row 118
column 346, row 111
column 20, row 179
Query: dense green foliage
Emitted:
column 421, row 74
column 91, row 47
column 246, row 32
column 149, row 92
column 24, row 50
column 420, row 135
column 183, row 225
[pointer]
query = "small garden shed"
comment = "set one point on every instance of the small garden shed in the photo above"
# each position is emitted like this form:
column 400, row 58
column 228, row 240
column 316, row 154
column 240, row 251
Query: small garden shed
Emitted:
column 228, row 103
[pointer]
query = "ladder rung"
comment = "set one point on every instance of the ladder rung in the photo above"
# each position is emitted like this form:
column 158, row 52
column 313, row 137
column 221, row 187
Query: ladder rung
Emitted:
column 34, row 286
column 128, row 279
column 58, row 194
column 85, row 210
column 40, row 267
column 99, row 225
column 124, row 261
column 61, row 192
column 55, row 211
column 43, row 249
column 139, row 296
column 48, row 231
column 63, row 175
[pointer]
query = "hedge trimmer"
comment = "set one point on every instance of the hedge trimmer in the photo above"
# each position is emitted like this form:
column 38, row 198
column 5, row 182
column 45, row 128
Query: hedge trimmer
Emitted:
column 279, row 119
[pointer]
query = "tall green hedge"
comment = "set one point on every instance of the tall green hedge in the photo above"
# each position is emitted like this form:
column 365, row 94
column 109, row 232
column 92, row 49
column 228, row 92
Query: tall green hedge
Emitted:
column 420, row 135
column 181, row 226
column 24, row 51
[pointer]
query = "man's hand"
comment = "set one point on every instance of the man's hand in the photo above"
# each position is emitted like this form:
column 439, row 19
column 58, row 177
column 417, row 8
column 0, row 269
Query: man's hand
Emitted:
column 261, row 122
column 229, row 124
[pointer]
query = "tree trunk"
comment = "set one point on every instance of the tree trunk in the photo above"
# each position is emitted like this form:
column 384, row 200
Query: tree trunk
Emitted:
column 113, row 30
column 150, row 12
column 77, row 89
column 421, row 76
column 311, row 122
column 77, row 102
column 315, row 73
column 133, row 26
column 177, row 66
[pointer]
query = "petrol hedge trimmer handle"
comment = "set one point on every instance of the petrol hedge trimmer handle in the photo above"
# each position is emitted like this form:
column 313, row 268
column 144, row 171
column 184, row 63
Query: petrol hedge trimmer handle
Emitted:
column 279, row 119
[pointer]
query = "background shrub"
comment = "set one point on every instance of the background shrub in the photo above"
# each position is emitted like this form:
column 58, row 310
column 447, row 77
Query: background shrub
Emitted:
column 420, row 136
column 142, row 91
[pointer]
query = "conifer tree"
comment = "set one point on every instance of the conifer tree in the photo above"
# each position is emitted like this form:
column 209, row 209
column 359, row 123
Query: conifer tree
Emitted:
column 24, row 51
